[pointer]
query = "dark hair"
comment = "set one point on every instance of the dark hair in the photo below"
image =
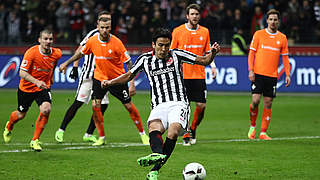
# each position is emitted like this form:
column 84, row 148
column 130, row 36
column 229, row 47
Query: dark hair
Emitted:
column 273, row 11
column 103, row 13
column 46, row 31
column 161, row 32
column 193, row 6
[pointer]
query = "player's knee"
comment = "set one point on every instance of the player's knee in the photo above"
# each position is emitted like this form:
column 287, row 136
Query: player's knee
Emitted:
column 128, row 106
column 45, row 108
column 21, row 115
column 201, row 106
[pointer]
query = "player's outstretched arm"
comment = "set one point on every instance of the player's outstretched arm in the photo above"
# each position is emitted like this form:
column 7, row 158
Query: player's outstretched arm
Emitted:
column 124, row 78
column 25, row 75
column 75, row 57
column 209, row 58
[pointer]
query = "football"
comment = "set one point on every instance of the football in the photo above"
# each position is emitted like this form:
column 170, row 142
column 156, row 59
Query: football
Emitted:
column 194, row 171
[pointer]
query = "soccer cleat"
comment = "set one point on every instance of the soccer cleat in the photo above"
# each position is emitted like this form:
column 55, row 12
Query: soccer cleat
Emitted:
column 151, row 159
column 152, row 175
column 89, row 138
column 264, row 136
column 186, row 140
column 252, row 133
column 59, row 136
column 101, row 141
column 193, row 141
column 144, row 139
column 7, row 135
column 35, row 145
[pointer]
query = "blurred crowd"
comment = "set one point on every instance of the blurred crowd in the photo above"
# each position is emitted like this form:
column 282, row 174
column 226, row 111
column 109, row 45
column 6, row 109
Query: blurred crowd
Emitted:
column 133, row 21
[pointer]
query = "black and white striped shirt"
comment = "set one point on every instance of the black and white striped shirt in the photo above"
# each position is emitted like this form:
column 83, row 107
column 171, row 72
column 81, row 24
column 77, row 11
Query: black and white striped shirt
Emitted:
column 88, row 64
column 165, row 76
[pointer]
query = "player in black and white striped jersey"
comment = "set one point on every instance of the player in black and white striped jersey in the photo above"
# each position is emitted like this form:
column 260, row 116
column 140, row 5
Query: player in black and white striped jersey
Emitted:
column 84, row 89
column 170, row 106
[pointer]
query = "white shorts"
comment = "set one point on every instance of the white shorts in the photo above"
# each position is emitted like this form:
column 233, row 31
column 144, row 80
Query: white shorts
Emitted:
column 171, row 112
column 85, row 90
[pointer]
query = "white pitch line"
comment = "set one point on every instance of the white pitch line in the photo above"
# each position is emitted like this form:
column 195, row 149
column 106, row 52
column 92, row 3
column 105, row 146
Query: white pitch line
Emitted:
column 78, row 146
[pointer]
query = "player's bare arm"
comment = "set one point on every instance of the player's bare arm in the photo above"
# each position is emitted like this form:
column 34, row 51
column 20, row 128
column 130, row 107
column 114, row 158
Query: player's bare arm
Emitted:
column 25, row 75
column 209, row 58
column 75, row 57
column 132, row 87
column 124, row 78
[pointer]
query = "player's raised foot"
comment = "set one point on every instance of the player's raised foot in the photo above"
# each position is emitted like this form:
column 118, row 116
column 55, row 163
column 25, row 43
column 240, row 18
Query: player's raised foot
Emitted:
column 91, row 138
column 186, row 140
column 151, row 159
column 252, row 132
column 35, row 145
column 144, row 139
column 264, row 136
column 193, row 141
column 7, row 135
column 101, row 141
column 59, row 136
column 152, row 175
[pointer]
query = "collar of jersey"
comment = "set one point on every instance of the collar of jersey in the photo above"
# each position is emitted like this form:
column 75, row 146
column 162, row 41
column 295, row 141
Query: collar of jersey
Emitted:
column 271, row 32
column 104, row 41
column 191, row 29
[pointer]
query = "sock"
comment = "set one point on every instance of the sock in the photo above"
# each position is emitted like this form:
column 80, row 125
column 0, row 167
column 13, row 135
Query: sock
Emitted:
column 168, row 148
column 12, row 120
column 266, row 117
column 156, row 142
column 92, row 126
column 40, row 124
column 253, row 115
column 197, row 118
column 135, row 116
column 98, row 120
column 71, row 112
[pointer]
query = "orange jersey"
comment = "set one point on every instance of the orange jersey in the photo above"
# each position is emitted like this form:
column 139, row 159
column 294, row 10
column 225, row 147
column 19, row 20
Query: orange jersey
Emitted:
column 268, row 47
column 109, row 56
column 196, row 41
column 39, row 66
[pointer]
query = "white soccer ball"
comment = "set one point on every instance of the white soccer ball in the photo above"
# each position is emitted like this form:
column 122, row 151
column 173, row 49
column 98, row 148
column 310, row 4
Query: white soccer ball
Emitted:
column 194, row 171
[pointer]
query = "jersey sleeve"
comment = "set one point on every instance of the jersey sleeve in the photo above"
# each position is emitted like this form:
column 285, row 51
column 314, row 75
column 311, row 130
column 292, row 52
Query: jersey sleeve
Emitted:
column 254, row 42
column 86, row 49
column 174, row 42
column 185, row 56
column 27, row 60
column 284, row 48
column 207, row 45
column 124, row 55
column 138, row 65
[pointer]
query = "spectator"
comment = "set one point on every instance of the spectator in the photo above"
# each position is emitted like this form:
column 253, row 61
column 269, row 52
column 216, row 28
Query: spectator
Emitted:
column 76, row 20
column 63, row 21
column 3, row 30
column 257, row 20
column 13, row 28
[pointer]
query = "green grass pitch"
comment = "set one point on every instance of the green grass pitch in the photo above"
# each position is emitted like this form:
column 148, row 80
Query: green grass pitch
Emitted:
column 222, row 144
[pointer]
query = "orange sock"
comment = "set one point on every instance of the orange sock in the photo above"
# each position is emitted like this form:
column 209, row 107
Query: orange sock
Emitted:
column 253, row 115
column 12, row 120
column 40, row 123
column 197, row 118
column 98, row 120
column 135, row 116
column 266, row 117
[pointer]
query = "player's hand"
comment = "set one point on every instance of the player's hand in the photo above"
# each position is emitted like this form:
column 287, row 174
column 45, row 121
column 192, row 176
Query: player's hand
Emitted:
column 63, row 68
column 251, row 76
column 215, row 48
column 288, row 81
column 42, row 85
column 105, row 83
column 214, row 72
column 132, row 89
column 74, row 73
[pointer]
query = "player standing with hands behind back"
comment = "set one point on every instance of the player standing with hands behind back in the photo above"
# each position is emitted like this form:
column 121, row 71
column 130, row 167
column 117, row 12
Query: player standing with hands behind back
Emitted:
column 36, row 72
column 194, row 38
column 266, row 47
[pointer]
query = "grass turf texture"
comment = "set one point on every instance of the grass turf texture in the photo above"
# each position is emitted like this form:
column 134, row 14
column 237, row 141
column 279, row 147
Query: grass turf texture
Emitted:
column 226, row 119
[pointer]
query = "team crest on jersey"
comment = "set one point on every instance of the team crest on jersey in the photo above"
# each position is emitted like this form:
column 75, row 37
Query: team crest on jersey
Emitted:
column 110, row 51
column 169, row 61
column 201, row 38
column 278, row 42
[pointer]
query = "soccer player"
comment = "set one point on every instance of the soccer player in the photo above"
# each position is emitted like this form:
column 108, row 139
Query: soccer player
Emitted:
column 169, row 102
column 84, row 89
column 110, row 54
column 194, row 38
column 266, row 47
column 36, row 72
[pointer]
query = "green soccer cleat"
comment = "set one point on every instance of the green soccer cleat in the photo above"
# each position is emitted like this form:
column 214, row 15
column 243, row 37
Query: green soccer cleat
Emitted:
column 89, row 138
column 101, row 141
column 35, row 145
column 151, row 159
column 252, row 133
column 144, row 139
column 7, row 135
column 152, row 175
column 59, row 136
